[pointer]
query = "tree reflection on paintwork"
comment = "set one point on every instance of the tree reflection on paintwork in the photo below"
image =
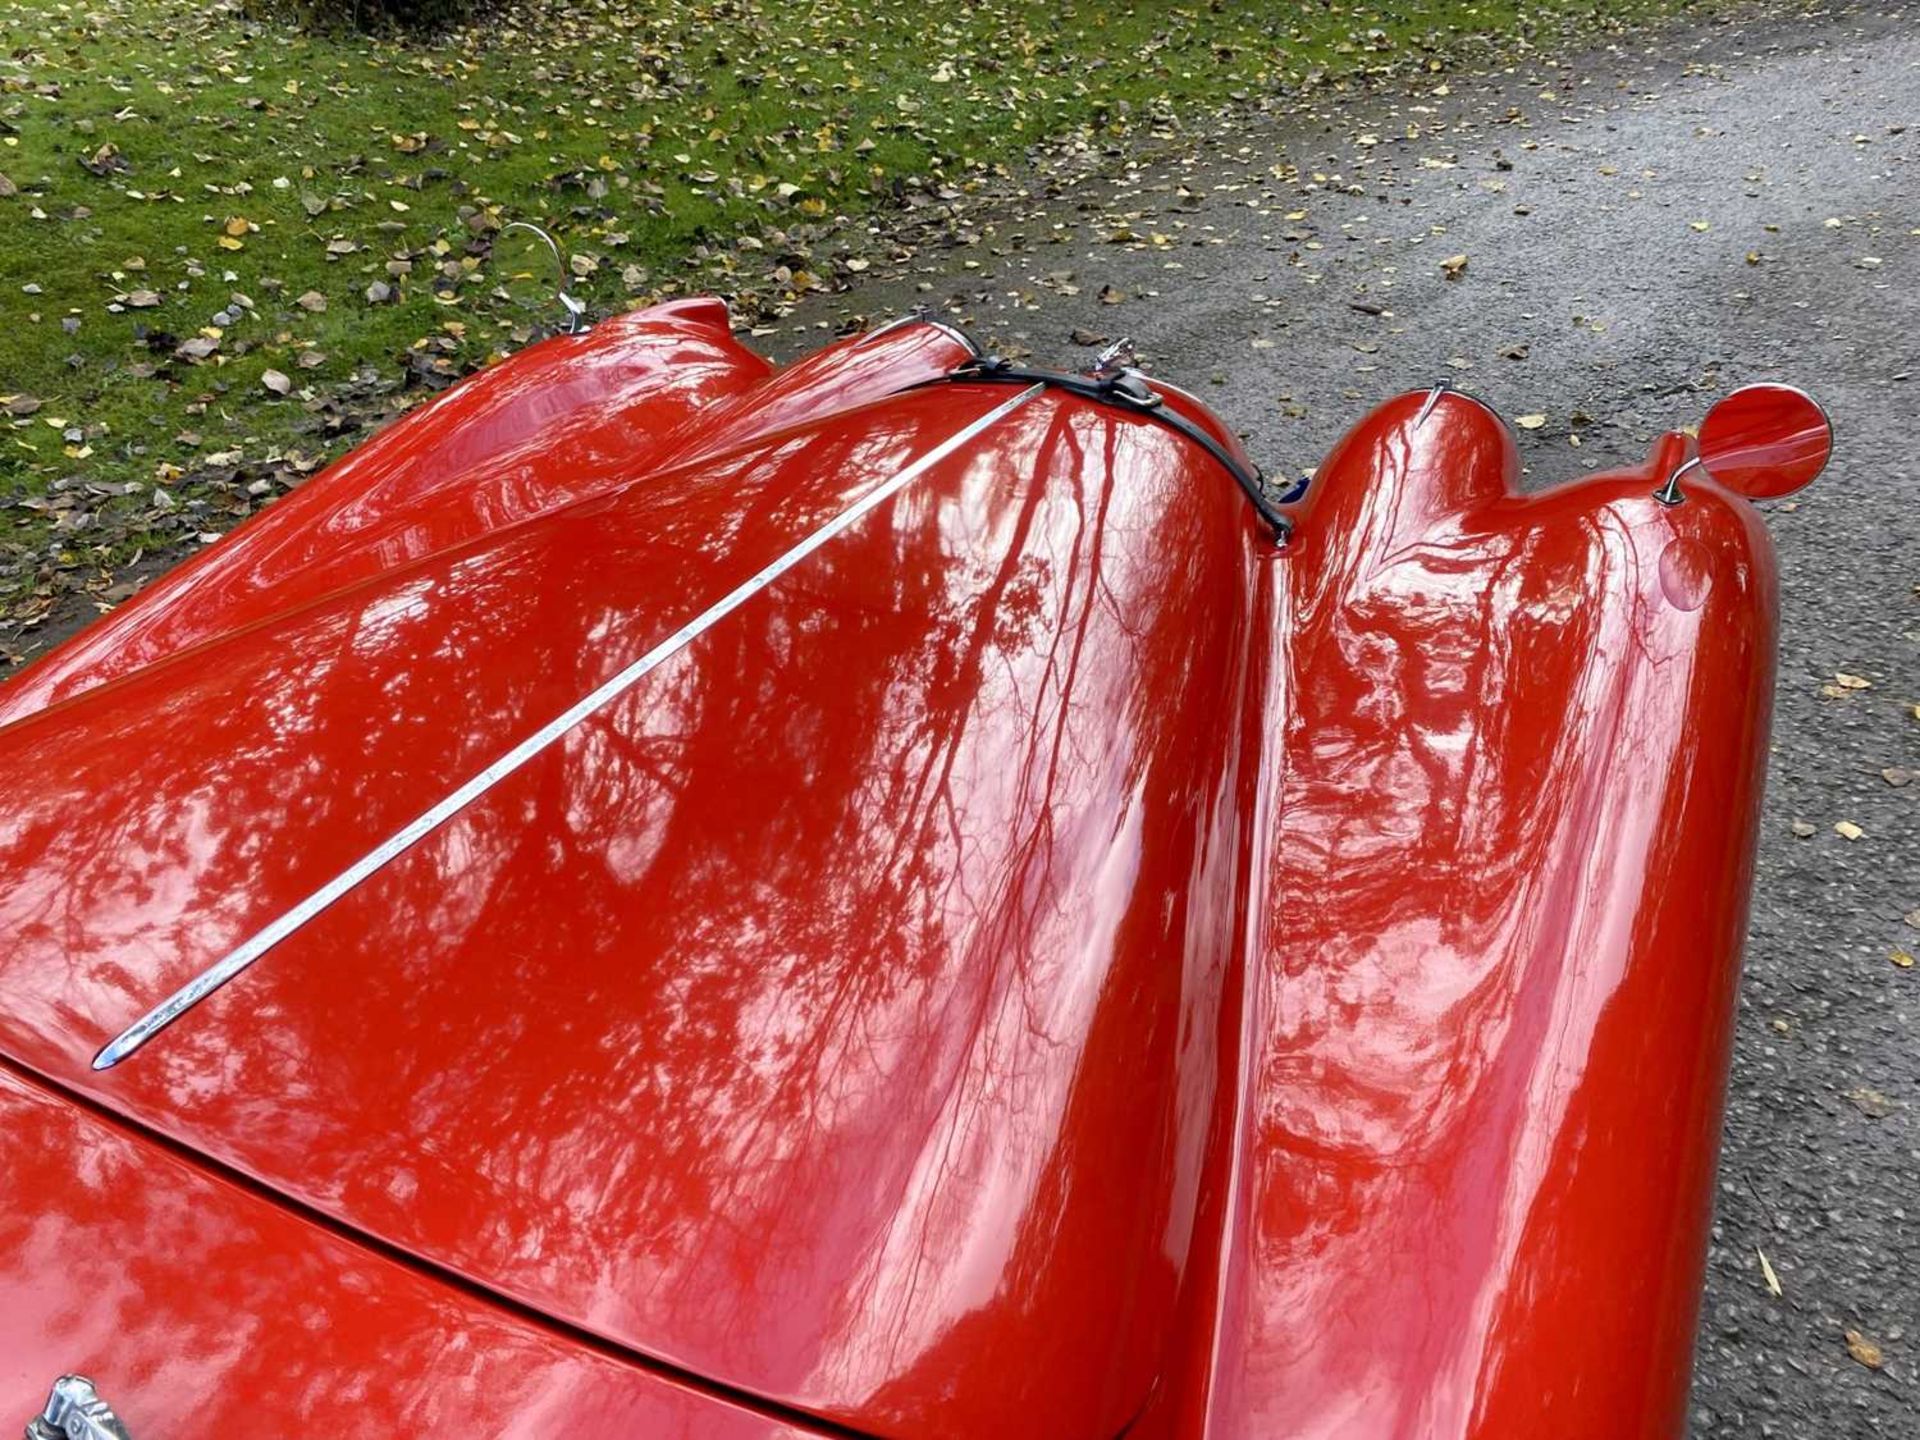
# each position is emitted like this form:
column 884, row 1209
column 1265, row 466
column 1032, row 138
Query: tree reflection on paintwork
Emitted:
column 833, row 1015
column 201, row 1310
column 1480, row 893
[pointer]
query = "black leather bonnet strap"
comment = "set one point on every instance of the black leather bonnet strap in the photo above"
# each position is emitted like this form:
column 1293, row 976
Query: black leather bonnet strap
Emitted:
column 1128, row 390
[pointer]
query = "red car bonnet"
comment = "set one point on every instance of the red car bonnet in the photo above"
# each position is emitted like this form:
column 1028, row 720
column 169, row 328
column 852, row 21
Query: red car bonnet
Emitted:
column 833, row 1016
column 1049, row 963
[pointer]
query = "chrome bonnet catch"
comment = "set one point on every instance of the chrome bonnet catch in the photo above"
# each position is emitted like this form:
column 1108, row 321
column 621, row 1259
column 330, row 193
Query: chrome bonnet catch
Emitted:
column 75, row 1411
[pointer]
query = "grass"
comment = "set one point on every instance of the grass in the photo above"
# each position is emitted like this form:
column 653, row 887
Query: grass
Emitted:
column 182, row 174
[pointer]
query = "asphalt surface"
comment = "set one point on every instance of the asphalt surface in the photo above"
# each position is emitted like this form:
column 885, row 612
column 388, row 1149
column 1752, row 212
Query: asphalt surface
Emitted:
column 1726, row 203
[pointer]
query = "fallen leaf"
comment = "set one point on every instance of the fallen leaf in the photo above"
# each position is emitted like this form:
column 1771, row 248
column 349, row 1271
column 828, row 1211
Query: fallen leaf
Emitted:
column 1081, row 336
column 1766, row 1271
column 1901, row 958
column 1869, row 1101
column 314, row 301
column 1847, row 830
column 237, row 225
column 1111, row 296
column 277, row 382
column 1853, row 682
column 1698, row 225
column 198, row 348
column 107, row 160
column 7, row 188
column 1897, row 776
column 1530, row 422
column 1805, row 829
column 1864, row 1350
column 143, row 299
column 379, row 293
column 1454, row 266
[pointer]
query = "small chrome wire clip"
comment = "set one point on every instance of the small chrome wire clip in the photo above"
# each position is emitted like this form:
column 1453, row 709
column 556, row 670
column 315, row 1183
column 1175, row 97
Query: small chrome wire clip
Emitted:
column 1440, row 388
column 1117, row 356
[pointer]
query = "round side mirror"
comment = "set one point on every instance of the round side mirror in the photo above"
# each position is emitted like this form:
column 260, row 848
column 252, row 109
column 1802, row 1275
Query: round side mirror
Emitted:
column 1764, row 441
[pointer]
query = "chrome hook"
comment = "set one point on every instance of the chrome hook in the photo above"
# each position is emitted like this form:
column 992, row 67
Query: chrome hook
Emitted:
column 576, row 310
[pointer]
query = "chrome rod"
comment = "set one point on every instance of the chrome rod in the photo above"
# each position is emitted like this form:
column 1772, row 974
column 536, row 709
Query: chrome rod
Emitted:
column 256, row 945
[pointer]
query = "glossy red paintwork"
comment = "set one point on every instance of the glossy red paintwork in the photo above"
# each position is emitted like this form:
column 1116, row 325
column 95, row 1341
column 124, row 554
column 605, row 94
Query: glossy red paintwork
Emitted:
column 1516, row 758
column 1051, row 965
column 1766, row 440
column 205, row 1310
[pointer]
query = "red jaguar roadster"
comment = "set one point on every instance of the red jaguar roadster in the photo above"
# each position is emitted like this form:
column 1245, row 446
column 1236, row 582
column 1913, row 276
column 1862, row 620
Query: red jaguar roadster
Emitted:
column 900, row 896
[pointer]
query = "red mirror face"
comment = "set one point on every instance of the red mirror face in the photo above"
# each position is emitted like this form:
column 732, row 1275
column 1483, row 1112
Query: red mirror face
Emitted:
column 1766, row 440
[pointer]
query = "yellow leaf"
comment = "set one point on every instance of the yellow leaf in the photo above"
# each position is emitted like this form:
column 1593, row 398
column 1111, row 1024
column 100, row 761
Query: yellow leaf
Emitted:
column 1847, row 830
column 1901, row 958
column 1698, row 225
column 1530, row 422
column 1766, row 1271
column 237, row 225
column 1853, row 682
column 227, row 242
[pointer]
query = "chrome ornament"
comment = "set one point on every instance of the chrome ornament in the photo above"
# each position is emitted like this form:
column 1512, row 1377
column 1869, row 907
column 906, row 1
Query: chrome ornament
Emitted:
column 75, row 1411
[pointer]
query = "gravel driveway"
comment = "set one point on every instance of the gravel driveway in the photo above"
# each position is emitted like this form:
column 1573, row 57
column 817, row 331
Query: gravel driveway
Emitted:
column 1641, row 231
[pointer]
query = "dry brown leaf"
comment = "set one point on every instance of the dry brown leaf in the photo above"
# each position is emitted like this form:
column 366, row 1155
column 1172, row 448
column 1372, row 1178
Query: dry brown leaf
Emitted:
column 1864, row 1350
column 1454, row 266
column 1870, row 1102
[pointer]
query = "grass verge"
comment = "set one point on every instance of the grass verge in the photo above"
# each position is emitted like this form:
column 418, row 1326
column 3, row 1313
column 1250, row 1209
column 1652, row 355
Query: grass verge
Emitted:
column 227, row 247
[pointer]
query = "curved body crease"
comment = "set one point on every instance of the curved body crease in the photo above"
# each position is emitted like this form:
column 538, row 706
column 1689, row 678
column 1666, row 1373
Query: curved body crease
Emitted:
column 1047, row 962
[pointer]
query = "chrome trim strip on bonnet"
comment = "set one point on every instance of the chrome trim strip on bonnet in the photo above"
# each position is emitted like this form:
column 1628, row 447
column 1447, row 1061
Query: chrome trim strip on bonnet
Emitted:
column 230, row 965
